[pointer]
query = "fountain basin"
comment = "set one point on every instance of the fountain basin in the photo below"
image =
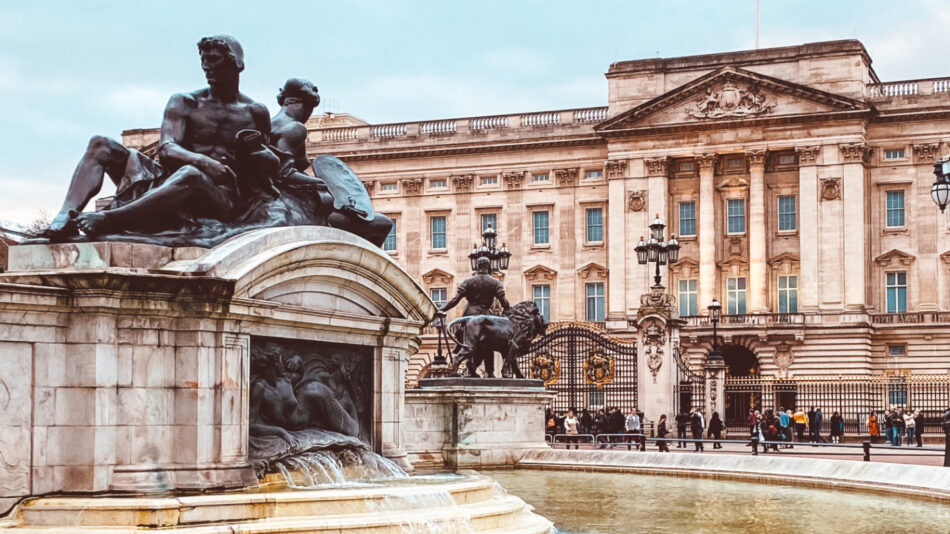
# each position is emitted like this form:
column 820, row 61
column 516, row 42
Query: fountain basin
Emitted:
column 456, row 503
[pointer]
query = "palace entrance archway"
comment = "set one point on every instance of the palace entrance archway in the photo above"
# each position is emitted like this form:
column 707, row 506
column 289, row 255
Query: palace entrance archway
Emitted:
column 742, row 387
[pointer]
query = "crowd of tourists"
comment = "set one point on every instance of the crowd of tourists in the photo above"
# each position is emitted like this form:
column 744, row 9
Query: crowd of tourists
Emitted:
column 773, row 429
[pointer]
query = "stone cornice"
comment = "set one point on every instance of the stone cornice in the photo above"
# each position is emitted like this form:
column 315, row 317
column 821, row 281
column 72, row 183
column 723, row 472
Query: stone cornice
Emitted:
column 808, row 155
column 540, row 273
column 657, row 166
column 706, row 161
column 894, row 257
column 856, row 153
column 926, row 152
column 756, row 159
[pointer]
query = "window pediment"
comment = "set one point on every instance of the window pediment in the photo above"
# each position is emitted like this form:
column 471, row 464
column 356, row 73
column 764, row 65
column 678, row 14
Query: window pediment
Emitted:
column 895, row 258
column 540, row 273
column 437, row 276
column 593, row 271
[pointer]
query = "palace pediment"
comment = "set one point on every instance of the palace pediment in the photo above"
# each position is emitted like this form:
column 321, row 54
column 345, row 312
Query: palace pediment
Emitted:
column 729, row 95
column 540, row 273
column 895, row 258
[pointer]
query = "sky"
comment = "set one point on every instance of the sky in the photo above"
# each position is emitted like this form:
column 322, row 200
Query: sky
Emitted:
column 73, row 69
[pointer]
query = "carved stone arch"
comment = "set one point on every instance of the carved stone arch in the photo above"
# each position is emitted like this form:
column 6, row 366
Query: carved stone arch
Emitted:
column 322, row 269
column 895, row 258
column 593, row 271
column 437, row 276
column 540, row 273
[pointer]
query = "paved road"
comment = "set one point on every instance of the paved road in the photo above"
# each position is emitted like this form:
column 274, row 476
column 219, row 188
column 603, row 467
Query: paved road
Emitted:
column 881, row 453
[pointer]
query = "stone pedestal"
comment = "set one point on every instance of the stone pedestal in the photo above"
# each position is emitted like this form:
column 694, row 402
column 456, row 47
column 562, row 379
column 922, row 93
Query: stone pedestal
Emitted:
column 715, row 388
column 462, row 423
column 656, row 370
column 127, row 366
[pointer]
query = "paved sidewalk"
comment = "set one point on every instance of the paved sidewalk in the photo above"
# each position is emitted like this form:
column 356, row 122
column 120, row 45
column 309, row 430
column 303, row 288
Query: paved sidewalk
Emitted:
column 881, row 453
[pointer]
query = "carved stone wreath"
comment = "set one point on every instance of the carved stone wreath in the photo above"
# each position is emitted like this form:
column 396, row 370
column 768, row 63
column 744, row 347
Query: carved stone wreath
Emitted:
column 637, row 201
column 830, row 188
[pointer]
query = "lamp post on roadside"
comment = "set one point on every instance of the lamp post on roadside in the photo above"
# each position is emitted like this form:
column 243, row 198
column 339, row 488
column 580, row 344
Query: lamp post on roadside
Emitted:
column 715, row 312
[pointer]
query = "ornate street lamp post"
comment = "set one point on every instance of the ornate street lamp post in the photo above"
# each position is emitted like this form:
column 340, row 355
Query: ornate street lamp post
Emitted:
column 715, row 311
column 499, row 258
column 940, row 190
column 657, row 251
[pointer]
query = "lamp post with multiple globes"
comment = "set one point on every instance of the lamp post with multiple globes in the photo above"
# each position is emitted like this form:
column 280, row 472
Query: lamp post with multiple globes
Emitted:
column 656, row 250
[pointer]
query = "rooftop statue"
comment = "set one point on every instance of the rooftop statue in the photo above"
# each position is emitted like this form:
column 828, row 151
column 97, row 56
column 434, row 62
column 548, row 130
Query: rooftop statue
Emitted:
column 221, row 170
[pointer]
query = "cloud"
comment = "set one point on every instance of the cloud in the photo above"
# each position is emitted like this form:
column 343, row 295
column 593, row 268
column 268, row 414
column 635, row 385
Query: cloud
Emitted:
column 136, row 102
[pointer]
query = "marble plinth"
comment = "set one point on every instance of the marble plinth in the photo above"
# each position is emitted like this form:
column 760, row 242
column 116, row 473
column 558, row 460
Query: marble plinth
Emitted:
column 126, row 366
column 463, row 423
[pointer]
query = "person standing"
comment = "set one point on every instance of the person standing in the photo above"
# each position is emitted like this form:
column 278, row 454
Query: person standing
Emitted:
column 632, row 426
column 910, row 425
column 697, row 424
column 785, row 422
column 919, row 424
column 801, row 422
column 898, row 418
column 811, row 424
column 682, row 423
column 715, row 430
column 570, row 428
column 874, row 429
column 601, row 425
column 837, row 427
column 661, row 433
column 586, row 422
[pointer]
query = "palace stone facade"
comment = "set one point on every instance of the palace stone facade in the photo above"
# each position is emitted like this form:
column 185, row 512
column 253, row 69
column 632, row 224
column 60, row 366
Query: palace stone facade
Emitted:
column 796, row 181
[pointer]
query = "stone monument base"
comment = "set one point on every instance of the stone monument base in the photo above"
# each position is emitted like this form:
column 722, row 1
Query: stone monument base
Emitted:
column 461, row 423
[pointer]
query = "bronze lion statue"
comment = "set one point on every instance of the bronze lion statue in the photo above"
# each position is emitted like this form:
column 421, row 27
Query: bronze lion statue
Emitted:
column 479, row 336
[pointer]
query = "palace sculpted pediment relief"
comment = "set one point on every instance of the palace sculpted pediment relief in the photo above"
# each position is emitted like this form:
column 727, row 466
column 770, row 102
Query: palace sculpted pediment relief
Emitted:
column 731, row 94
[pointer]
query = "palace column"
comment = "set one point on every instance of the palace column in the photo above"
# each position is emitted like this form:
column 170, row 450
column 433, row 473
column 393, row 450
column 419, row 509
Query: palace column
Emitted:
column 855, row 229
column 928, row 227
column 758, row 282
column 658, row 200
column 616, row 244
column 808, row 242
column 707, row 230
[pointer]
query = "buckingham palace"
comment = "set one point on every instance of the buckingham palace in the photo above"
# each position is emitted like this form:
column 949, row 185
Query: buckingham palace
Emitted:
column 797, row 183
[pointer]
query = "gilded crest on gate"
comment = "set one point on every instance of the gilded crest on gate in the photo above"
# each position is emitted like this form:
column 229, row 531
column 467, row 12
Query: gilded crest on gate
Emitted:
column 546, row 368
column 598, row 370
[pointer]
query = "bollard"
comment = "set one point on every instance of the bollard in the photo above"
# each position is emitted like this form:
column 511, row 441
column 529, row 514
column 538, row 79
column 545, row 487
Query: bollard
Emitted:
column 867, row 450
column 755, row 445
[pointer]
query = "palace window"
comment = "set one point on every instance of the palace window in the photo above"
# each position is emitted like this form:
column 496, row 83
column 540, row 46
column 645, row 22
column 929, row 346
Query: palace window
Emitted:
column 897, row 351
column 439, row 296
column 595, row 225
column 687, row 226
column 489, row 219
column 541, row 235
column 735, row 210
column 736, row 163
column 787, row 159
column 788, row 294
column 489, row 180
column 438, row 183
column 896, row 289
column 594, row 174
column 685, row 166
column 541, row 177
column 389, row 245
column 894, row 153
column 735, row 296
column 786, row 213
column 437, row 231
column 687, row 297
column 596, row 310
column 542, row 299
column 389, row 187
column 895, row 209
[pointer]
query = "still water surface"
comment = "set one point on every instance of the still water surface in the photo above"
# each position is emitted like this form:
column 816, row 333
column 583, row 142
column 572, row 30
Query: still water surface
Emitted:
column 591, row 503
